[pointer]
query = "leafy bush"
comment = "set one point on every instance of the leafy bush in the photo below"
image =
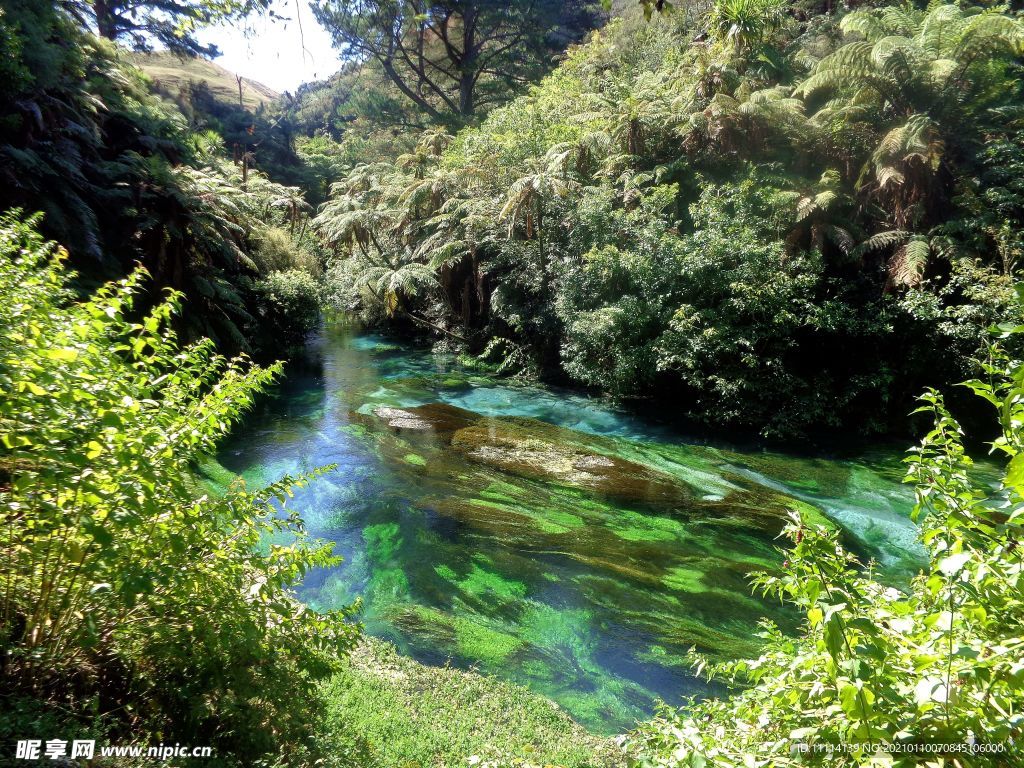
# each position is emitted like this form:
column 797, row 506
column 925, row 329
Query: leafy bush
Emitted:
column 726, row 315
column 618, row 301
column 277, row 251
column 938, row 662
column 123, row 180
column 125, row 588
column 289, row 307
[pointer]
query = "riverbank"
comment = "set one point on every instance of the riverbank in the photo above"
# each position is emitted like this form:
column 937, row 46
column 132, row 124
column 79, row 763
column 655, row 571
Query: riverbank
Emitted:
column 404, row 713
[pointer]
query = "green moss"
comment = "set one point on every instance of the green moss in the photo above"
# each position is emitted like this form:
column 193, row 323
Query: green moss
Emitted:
column 382, row 541
column 685, row 580
column 566, row 629
column 546, row 520
column 489, row 646
column 819, row 476
column 483, row 583
column 473, row 639
column 446, row 573
column 356, row 430
column 388, row 584
column 414, row 458
column 564, row 519
column 633, row 526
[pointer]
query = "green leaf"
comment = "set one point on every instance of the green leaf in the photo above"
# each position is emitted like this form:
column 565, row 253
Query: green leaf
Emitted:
column 63, row 354
column 1015, row 474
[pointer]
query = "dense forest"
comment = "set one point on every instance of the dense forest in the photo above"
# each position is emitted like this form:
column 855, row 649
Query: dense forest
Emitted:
column 779, row 221
column 708, row 208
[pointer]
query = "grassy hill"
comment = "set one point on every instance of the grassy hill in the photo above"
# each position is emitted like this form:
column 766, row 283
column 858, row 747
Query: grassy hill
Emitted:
column 170, row 72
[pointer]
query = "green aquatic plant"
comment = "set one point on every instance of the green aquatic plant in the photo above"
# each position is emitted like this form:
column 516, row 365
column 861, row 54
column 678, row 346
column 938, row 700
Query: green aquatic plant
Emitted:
column 382, row 541
column 529, row 570
column 473, row 639
column 685, row 579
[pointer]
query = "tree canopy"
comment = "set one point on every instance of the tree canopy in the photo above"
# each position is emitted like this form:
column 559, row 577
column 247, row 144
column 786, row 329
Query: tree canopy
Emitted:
column 710, row 202
column 169, row 23
column 453, row 58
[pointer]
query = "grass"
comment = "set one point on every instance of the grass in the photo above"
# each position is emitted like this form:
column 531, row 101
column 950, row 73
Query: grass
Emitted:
column 414, row 716
column 170, row 72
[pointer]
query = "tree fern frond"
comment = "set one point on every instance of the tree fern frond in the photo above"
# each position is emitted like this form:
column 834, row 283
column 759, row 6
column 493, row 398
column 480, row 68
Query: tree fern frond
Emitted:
column 881, row 241
column 908, row 263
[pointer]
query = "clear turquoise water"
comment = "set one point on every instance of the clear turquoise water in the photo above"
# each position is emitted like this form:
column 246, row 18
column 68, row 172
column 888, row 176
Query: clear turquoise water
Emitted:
column 539, row 535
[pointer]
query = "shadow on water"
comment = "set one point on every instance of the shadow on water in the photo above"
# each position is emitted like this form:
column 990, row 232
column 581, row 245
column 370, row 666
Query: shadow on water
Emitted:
column 541, row 535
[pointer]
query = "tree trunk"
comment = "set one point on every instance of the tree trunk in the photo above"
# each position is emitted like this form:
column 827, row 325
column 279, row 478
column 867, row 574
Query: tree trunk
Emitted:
column 105, row 19
column 540, row 248
column 467, row 72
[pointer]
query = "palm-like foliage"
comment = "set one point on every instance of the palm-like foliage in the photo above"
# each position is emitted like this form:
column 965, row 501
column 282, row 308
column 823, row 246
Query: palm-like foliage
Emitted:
column 745, row 23
column 927, row 78
column 361, row 212
column 923, row 73
column 389, row 283
column 745, row 122
column 430, row 146
column 583, row 157
column 824, row 216
column 526, row 203
column 527, row 197
column 631, row 111
column 939, row 60
column 389, row 226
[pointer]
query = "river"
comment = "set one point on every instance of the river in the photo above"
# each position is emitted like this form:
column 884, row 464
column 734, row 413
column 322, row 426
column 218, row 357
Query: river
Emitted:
column 544, row 536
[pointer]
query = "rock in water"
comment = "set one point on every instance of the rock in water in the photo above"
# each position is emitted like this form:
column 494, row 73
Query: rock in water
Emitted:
column 439, row 418
column 537, row 450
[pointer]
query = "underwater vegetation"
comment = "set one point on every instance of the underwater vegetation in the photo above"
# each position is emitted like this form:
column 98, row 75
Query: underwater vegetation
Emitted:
column 542, row 536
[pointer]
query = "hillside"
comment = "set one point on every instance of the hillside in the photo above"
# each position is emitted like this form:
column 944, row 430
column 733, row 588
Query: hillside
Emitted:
column 170, row 72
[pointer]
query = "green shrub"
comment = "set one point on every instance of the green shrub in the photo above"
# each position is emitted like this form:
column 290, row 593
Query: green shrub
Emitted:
column 124, row 591
column 939, row 662
column 289, row 307
column 742, row 329
column 275, row 251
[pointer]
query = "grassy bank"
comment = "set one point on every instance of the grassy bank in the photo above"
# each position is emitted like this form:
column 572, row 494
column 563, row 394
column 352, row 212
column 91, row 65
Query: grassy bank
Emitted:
column 408, row 714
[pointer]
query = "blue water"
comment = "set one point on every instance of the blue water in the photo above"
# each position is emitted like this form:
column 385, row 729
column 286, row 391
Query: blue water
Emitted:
column 589, row 593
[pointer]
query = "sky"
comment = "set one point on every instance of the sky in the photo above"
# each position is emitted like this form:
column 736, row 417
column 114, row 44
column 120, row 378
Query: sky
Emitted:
column 274, row 51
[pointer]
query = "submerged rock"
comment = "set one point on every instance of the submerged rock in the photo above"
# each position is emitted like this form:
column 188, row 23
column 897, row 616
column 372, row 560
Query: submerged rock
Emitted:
column 541, row 451
column 439, row 418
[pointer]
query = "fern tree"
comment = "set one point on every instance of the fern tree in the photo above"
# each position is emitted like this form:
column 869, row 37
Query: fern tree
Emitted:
column 929, row 80
column 369, row 222
column 526, row 204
